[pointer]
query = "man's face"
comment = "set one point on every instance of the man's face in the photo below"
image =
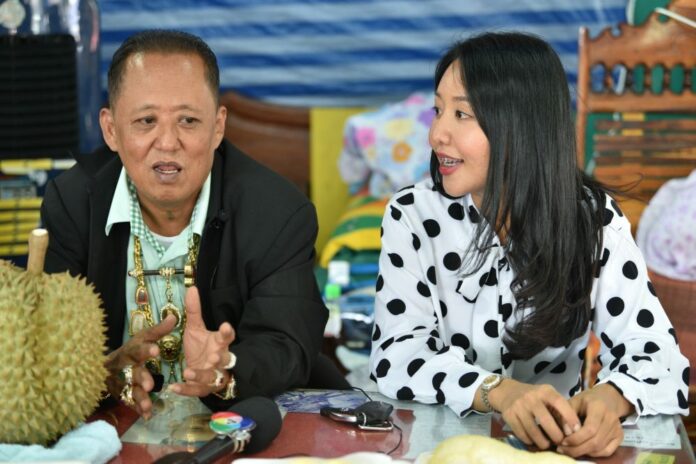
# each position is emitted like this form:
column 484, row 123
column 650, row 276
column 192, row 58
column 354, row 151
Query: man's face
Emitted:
column 165, row 126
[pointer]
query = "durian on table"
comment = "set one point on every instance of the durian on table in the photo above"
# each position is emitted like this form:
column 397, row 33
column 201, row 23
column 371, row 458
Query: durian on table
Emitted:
column 478, row 449
column 52, row 350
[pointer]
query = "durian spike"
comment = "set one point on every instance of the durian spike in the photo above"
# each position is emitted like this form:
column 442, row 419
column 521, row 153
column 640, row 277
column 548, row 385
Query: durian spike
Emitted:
column 38, row 243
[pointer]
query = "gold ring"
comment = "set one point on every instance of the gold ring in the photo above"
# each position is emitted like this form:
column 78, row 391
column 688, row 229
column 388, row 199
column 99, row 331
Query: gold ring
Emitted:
column 232, row 362
column 219, row 379
column 127, row 395
column 127, row 372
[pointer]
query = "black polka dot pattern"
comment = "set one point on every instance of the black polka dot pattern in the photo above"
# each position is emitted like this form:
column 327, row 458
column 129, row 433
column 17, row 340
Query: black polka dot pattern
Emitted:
column 645, row 318
column 423, row 289
column 432, row 228
column 382, row 368
column 438, row 379
column 491, row 328
column 608, row 216
column 559, row 369
column 452, row 261
column 396, row 260
column 474, row 215
column 506, row 360
column 681, row 400
column 651, row 288
column 431, row 274
column 416, row 242
column 540, row 366
column 376, row 333
column 504, row 309
column 443, row 308
column 456, row 211
column 615, row 306
column 432, row 344
column 489, row 278
column 396, row 306
column 651, row 347
column 468, row 379
column 405, row 394
column 405, row 199
column 461, row 341
column 386, row 343
column 673, row 333
column 414, row 365
column 606, row 340
column 630, row 270
column 426, row 236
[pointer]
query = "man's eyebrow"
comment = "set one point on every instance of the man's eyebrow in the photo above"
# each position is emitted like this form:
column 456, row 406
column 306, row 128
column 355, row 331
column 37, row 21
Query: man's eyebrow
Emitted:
column 179, row 107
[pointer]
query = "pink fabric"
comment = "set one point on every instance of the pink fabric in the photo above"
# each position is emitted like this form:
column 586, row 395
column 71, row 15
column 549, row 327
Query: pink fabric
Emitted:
column 667, row 230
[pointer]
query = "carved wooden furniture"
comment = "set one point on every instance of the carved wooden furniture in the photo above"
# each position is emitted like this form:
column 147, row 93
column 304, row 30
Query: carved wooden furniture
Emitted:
column 645, row 69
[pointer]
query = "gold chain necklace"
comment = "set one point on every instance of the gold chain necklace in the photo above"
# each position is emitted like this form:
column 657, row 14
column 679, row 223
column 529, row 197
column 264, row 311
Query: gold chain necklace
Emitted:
column 142, row 317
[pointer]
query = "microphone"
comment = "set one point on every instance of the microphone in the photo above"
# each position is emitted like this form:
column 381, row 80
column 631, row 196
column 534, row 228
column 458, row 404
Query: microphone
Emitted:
column 258, row 425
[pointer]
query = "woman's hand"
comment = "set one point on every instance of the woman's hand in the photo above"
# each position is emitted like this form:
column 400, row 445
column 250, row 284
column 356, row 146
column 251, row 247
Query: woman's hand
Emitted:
column 537, row 414
column 135, row 353
column 206, row 352
column 601, row 433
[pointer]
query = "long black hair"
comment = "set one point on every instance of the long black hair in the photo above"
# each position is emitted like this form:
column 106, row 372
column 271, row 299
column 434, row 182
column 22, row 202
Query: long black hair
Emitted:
column 549, row 212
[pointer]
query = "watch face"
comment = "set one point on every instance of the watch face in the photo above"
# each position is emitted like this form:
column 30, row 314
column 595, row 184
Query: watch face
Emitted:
column 491, row 381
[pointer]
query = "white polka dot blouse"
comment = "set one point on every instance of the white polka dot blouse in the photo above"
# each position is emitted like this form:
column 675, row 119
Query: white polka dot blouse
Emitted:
column 437, row 335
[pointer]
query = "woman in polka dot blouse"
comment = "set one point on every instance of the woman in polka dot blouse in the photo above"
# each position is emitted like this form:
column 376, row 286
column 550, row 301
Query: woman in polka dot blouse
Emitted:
column 494, row 271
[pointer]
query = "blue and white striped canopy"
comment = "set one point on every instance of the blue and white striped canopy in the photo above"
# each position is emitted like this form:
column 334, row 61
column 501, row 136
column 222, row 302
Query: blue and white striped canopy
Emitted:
column 347, row 52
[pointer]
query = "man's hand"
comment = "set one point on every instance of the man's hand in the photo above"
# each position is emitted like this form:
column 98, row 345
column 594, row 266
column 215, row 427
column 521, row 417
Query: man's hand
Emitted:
column 135, row 353
column 537, row 414
column 601, row 432
column 205, row 352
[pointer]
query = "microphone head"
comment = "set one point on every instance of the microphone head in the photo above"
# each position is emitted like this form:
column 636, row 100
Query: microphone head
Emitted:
column 265, row 413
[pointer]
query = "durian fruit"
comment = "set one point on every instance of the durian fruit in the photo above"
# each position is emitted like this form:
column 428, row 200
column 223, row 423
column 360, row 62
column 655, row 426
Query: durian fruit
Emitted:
column 478, row 449
column 52, row 350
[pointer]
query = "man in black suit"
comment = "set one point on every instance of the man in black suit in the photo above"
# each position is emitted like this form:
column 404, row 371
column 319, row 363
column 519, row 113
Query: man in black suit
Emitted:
column 177, row 198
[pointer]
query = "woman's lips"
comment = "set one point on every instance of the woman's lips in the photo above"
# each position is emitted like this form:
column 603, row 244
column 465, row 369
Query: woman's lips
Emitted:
column 448, row 164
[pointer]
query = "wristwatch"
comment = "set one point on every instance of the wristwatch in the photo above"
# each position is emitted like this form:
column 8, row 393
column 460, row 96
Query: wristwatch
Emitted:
column 489, row 383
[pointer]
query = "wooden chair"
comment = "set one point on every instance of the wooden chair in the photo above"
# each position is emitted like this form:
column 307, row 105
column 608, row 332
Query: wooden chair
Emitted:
column 629, row 147
column 275, row 135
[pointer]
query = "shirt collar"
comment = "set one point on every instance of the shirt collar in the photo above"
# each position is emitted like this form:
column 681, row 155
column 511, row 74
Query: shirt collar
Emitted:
column 120, row 205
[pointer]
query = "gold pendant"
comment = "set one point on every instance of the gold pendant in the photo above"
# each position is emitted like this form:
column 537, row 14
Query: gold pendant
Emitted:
column 189, row 275
column 138, row 321
column 168, row 309
column 170, row 347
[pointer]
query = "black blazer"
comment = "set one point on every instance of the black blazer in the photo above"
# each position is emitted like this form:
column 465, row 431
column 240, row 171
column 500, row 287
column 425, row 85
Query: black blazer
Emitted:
column 254, row 270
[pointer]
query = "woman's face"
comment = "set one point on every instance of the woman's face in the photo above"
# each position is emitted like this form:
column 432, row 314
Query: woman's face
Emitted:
column 458, row 141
